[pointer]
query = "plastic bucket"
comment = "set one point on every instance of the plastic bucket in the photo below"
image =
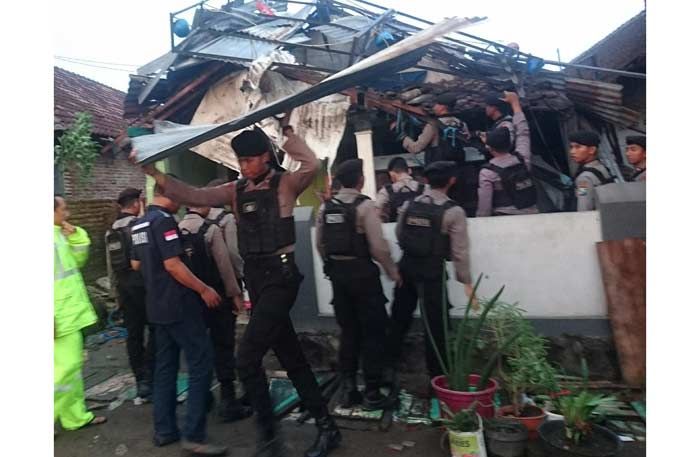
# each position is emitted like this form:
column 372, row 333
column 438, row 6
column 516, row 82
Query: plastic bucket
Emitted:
column 457, row 401
column 531, row 423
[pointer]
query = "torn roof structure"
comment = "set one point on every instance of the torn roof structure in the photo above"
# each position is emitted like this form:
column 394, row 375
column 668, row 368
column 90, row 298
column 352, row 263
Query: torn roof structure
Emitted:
column 320, row 38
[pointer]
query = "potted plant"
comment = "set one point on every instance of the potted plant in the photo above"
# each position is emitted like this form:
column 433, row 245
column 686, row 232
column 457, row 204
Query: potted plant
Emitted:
column 505, row 437
column 578, row 435
column 460, row 387
column 465, row 432
column 524, row 368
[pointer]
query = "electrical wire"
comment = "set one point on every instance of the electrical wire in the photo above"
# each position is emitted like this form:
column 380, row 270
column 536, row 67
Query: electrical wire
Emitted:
column 94, row 66
column 98, row 61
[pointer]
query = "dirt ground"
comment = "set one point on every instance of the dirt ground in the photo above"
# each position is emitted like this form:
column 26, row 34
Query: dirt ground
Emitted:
column 128, row 432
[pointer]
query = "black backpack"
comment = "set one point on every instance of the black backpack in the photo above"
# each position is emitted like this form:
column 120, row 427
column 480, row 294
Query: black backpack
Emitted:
column 118, row 242
column 397, row 199
column 220, row 217
column 519, row 188
column 421, row 234
column 339, row 235
column 598, row 174
column 198, row 257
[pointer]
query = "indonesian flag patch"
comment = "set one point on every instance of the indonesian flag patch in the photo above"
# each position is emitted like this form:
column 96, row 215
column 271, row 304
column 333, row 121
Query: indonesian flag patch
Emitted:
column 170, row 235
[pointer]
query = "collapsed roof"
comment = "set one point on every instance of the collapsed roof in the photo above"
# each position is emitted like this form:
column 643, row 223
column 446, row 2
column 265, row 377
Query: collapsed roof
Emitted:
column 323, row 37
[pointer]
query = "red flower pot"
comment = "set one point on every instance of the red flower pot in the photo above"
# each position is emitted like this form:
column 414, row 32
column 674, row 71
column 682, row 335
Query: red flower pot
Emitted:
column 532, row 423
column 457, row 401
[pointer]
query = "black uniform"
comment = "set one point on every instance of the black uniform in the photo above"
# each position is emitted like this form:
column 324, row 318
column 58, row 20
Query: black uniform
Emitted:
column 177, row 313
column 350, row 235
column 132, row 299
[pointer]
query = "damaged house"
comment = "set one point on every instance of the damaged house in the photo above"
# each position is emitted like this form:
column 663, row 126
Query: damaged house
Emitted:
column 247, row 61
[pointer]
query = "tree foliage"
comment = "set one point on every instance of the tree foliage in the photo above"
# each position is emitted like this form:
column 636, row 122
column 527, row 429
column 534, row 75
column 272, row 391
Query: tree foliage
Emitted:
column 76, row 150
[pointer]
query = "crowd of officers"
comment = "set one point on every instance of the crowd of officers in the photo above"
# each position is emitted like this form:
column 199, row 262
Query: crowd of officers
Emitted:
column 184, row 281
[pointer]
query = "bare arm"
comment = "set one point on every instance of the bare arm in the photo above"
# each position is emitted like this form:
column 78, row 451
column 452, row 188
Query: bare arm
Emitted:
column 223, row 262
column 135, row 265
column 298, row 150
column 424, row 140
column 193, row 196
column 378, row 247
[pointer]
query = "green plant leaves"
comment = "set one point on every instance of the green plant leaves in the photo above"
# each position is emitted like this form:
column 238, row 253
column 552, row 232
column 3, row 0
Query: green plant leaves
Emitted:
column 76, row 149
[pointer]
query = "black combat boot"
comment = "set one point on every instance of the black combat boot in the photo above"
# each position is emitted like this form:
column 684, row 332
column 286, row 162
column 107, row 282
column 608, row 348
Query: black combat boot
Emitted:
column 374, row 399
column 230, row 408
column 328, row 437
column 349, row 395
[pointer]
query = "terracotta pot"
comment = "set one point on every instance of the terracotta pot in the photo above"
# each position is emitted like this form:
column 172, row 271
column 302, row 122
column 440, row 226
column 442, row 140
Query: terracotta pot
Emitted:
column 531, row 423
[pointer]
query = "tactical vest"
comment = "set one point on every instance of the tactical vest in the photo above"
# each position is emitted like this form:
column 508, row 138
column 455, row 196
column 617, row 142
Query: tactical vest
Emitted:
column 421, row 239
column 340, row 236
column 598, row 174
column 518, row 187
column 198, row 257
column 637, row 173
column 397, row 198
column 497, row 124
column 261, row 230
column 118, row 243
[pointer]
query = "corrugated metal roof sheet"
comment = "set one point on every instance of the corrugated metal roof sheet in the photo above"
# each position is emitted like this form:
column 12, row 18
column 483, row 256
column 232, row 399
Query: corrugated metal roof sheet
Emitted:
column 235, row 47
column 336, row 34
column 278, row 28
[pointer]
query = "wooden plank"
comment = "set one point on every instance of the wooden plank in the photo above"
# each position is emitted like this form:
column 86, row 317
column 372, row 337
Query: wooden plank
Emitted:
column 623, row 267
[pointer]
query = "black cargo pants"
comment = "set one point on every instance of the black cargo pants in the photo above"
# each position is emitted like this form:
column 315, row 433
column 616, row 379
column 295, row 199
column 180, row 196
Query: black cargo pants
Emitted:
column 402, row 309
column 222, row 329
column 358, row 300
column 273, row 283
column 132, row 299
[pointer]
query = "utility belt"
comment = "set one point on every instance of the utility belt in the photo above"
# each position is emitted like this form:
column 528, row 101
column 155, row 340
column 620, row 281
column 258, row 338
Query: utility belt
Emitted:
column 423, row 268
column 268, row 260
column 350, row 267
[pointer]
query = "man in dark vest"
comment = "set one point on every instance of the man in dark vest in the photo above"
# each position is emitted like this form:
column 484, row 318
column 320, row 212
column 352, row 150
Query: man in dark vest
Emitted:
column 131, row 291
column 505, row 183
column 208, row 258
column 591, row 173
column 348, row 236
column 402, row 188
column 263, row 202
column 497, row 110
column 430, row 229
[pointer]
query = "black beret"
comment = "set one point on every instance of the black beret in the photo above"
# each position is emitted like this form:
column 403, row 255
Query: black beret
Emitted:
column 495, row 100
column 639, row 140
column 440, row 166
column 447, row 99
column 348, row 167
column 128, row 194
column 250, row 143
column 499, row 139
column 585, row 137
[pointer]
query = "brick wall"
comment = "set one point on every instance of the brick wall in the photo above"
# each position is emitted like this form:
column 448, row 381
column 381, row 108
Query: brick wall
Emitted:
column 110, row 175
column 95, row 216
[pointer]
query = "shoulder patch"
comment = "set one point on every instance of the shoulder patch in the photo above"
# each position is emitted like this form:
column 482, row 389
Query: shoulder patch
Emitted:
column 170, row 235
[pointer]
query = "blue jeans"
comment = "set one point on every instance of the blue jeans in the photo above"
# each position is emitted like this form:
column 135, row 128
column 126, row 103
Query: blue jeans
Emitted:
column 190, row 335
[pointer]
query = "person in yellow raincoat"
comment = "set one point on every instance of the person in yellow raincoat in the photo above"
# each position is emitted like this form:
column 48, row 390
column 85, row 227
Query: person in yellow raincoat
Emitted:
column 72, row 312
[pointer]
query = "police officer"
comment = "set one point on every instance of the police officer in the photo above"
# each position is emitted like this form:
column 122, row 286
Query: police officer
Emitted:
column 263, row 202
column 402, row 188
column 210, row 261
column 505, row 184
column 497, row 111
column 430, row 229
column 175, row 301
column 591, row 173
column 429, row 139
column 227, row 223
column 348, row 236
column 131, row 291
column 636, row 153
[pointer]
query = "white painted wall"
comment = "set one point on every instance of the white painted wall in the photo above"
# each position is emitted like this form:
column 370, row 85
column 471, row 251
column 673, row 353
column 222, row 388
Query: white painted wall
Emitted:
column 548, row 263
